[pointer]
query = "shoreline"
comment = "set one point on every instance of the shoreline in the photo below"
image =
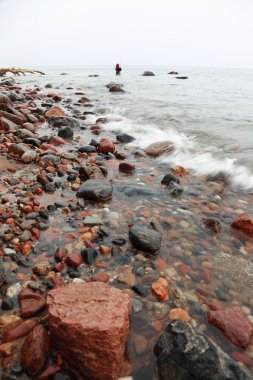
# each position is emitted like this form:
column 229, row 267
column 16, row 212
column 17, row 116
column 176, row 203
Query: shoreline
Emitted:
column 193, row 275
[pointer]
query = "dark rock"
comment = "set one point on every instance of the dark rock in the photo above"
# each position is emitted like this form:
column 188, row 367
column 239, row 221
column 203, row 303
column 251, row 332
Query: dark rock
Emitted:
column 116, row 88
column 174, row 189
column 7, row 303
column 35, row 350
column 126, row 167
column 119, row 241
column 60, row 121
column 89, row 255
column 66, row 133
column 2, row 273
column 182, row 77
column 148, row 74
column 185, row 354
column 49, row 187
column 213, row 225
column 87, row 149
column 141, row 290
column 145, row 239
column 169, row 178
column 93, row 76
column 173, row 73
column 32, row 141
column 124, row 138
column 95, row 190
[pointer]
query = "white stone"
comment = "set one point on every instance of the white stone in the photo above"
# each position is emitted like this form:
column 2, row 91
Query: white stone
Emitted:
column 14, row 290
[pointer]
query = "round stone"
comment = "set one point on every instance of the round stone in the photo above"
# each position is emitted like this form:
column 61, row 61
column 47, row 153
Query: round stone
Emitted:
column 95, row 190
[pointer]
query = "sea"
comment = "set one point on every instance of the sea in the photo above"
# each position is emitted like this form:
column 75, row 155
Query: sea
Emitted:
column 209, row 116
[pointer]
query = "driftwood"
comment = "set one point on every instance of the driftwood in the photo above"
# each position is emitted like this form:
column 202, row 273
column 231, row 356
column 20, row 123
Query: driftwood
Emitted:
column 19, row 71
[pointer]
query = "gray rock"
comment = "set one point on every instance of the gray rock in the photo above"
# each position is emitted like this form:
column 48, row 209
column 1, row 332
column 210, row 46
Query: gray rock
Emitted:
column 124, row 138
column 2, row 273
column 95, row 190
column 169, row 178
column 29, row 156
column 158, row 148
column 148, row 74
column 91, row 221
column 145, row 239
column 60, row 121
column 124, row 191
column 66, row 133
column 185, row 354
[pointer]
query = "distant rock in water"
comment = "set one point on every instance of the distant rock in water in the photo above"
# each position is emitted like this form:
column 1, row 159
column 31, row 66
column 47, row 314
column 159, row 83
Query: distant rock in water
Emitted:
column 148, row 74
column 64, row 74
column 160, row 147
column 173, row 73
column 184, row 353
column 182, row 77
column 93, row 76
column 115, row 87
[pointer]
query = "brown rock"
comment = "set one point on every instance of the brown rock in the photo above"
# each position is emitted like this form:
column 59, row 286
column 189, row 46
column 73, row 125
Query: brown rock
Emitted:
column 179, row 313
column 35, row 350
column 89, row 324
column 244, row 223
column 127, row 277
column 158, row 148
column 106, row 146
column 140, row 344
column 234, row 325
column 91, row 171
column 15, row 119
column 49, row 372
column 60, row 253
column 126, row 167
column 213, row 225
column 5, row 100
column 30, row 303
column 100, row 276
column 74, row 260
column 17, row 330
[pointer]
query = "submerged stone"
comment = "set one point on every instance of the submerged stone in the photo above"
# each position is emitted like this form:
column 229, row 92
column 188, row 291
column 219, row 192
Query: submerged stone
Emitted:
column 145, row 239
column 95, row 190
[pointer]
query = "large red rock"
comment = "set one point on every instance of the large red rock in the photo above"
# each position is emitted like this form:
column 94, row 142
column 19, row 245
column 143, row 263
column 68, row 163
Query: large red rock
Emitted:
column 244, row 223
column 35, row 350
column 89, row 324
column 106, row 146
column 233, row 323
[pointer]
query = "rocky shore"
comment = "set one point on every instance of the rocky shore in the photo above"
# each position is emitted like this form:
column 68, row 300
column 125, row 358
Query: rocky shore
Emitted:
column 113, row 265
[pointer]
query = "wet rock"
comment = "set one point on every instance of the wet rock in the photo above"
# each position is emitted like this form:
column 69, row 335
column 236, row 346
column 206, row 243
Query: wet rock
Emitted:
column 148, row 74
column 95, row 190
column 124, row 138
column 184, row 353
column 89, row 343
column 35, row 350
column 42, row 269
column 213, row 225
column 173, row 73
column 14, row 290
column 106, row 146
column 58, row 121
column 19, row 149
column 174, row 189
column 91, row 221
column 169, row 178
column 244, row 223
column 87, row 149
column 2, row 273
column 158, row 148
column 89, row 255
column 179, row 313
column 234, row 325
column 30, row 303
column 29, row 156
column 17, row 330
column 91, row 171
column 127, row 277
column 115, row 87
column 32, row 141
column 55, row 111
column 125, row 191
column 145, row 239
column 66, row 133
column 74, row 260
column 182, row 77
column 126, row 167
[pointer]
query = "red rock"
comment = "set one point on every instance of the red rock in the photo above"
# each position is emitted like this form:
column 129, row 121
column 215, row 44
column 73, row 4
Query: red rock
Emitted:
column 35, row 350
column 49, row 372
column 89, row 324
column 55, row 111
column 244, row 223
column 234, row 325
column 159, row 291
column 17, row 330
column 106, row 146
column 239, row 357
column 74, row 260
column 105, row 250
column 126, row 167
column 100, row 276
column 57, row 140
column 30, row 303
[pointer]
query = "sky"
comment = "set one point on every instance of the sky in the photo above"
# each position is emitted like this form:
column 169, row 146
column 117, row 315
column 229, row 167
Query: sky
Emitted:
column 200, row 33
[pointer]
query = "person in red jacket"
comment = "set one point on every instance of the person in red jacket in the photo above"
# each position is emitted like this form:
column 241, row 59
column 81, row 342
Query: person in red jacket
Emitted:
column 118, row 69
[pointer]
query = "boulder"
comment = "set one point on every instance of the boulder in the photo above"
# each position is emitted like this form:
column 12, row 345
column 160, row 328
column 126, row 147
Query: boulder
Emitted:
column 145, row 239
column 124, row 138
column 158, row 148
column 116, row 88
column 185, row 354
column 244, row 223
column 148, row 74
column 95, row 190
column 89, row 324
column 35, row 350
column 234, row 325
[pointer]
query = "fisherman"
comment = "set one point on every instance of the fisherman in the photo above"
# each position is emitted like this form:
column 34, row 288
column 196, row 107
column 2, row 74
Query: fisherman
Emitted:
column 117, row 69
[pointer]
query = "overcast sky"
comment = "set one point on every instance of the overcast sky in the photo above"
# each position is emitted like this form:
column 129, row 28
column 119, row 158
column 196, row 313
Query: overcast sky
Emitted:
column 36, row 33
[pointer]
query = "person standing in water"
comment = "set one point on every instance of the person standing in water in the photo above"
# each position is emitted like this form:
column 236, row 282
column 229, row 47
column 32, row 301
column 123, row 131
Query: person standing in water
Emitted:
column 117, row 69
